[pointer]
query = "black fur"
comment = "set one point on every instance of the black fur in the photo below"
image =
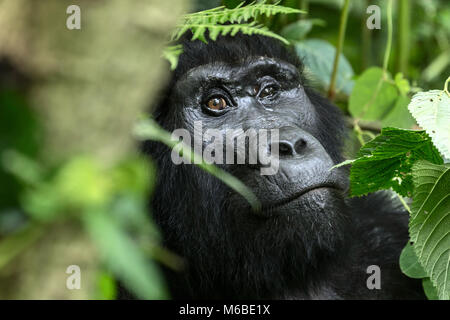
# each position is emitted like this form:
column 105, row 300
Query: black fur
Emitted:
column 318, row 254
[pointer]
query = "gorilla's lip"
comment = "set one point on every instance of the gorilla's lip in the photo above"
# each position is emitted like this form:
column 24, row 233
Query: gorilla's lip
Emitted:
column 269, row 208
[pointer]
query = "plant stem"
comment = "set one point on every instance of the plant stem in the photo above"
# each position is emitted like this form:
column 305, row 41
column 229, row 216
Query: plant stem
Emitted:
column 387, row 52
column 446, row 86
column 403, row 36
column 303, row 5
column 366, row 42
column 404, row 203
column 342, row 27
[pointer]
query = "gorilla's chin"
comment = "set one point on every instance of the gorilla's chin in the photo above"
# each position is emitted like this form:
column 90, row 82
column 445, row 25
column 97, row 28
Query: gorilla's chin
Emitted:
column 303, row 234
column 320, row 196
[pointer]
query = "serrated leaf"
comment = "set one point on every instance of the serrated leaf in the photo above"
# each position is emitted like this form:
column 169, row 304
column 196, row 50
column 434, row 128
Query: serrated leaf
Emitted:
column 319, row 57
column 372, row 98
column 431, row 109
column 385, row 162
column 429, row 226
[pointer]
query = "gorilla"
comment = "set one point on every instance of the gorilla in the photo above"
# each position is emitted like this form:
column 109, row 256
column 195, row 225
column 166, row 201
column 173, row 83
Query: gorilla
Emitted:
column 308, row 240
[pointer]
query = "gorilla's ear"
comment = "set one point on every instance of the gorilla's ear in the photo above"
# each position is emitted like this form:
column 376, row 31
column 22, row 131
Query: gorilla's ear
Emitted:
column 331, row 130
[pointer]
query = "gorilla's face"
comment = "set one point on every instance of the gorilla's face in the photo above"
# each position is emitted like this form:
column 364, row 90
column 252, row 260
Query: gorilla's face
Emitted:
column 303, row 217
column 265, row 93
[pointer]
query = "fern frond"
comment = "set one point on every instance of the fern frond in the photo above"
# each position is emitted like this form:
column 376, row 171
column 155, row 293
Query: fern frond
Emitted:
column 239, row 15
column 199, row 30
column 222, row 21
column 171, row 53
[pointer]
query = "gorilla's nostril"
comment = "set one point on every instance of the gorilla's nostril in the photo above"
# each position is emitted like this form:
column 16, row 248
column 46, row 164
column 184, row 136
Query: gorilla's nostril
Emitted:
column 285, row 149
column 300, row 145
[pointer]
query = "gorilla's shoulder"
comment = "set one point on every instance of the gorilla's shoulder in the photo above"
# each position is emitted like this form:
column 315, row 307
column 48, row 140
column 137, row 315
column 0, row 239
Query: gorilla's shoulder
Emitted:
column 381, row 221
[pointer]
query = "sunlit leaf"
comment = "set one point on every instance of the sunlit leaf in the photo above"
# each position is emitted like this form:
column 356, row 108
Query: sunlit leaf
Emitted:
column 432, row 112
column 430, row 222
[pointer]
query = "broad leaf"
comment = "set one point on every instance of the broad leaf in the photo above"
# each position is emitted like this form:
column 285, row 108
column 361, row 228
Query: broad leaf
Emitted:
column 430, row 222
column 399, row 115
column 319, row 57
column 385, row 162
column 432, row 112
column 430, row 289
column 372, row 97
column 298, row 30
column 410, row 265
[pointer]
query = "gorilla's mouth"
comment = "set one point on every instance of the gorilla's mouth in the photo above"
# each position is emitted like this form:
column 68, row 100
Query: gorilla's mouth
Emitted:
column 274, row 208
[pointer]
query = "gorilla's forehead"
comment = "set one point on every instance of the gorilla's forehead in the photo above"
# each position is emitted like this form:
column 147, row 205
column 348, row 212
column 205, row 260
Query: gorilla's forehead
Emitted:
column 248, row 68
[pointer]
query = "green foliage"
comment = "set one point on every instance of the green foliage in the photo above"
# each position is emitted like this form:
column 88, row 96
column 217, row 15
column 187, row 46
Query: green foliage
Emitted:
column 377, row 97
column 430, row 222
column 318, row 56
column 432, row 111
column 214, row 30
column 19, row 130
column 386, row 161
column 239, row 14
column 122, row 257
column 223, row 21
column 409, row 162
column 410, row 265
column 430, row 290
column 298, row 30
column 109, row 201
column 106, row 286
column 171, row 53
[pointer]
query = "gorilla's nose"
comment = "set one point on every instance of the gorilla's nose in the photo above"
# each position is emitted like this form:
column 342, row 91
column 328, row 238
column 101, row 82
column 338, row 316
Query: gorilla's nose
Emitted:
column 291, row 142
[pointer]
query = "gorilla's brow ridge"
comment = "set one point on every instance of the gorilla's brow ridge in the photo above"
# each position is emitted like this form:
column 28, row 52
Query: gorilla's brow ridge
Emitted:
column 242, row 70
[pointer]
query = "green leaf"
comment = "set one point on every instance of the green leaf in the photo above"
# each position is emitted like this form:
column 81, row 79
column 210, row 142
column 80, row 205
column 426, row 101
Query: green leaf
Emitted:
column 23, row 167
column 215, row 30
column 43, row 203
column 172, row 53
column 402, row 84
column 238, row 14
column 429, row 225
column 123, row 257
column 409, row 263
column 431, row 109
column 107, row 286
column 399, row 115
column 372, row 97
column 430, row 289
column 82, row 182
column 319, row 57
column 298, row 30
column 221, row 21
column 385, row 162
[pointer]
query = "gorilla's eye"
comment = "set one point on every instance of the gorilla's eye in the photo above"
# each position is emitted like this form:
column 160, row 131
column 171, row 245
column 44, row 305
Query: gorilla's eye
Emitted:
column 268, row 91
column 217, row 103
